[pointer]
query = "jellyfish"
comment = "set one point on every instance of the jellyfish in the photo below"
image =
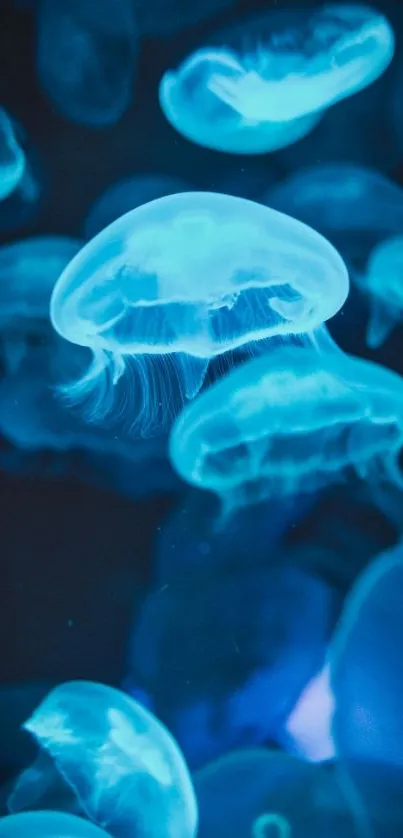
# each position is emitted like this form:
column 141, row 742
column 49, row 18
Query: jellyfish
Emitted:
column 122, row 766
column 224, row 655
column 178, row 281
column 86, row 57
column 126, row 195
column 266, row 83
column 20, row 189
column 252, row 789
column 367, row 682
column 48, row 824
column 382, row 282
column 28, row 271
column 292, row 422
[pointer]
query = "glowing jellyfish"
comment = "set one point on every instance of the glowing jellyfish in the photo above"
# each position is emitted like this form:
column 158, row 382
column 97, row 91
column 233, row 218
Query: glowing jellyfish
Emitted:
column 367, row 681
column 12, row 157
column 48, row 825
column 266, row 83
column 292, row 422
column 250, row 790
column 122, row 765
column 223, row 656
column 86, row 56
column 126, row 195
column 28, row 272
column 382, row 282
column 180, row 280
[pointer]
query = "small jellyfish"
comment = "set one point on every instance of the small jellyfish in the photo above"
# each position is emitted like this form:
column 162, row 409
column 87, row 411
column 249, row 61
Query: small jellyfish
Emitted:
column 293, row 421
column 271, row 826
column 20, row 189
column 126, row 195
column 28, row 272
column 86, row 57
column 123, row 767
column 48, row 824
column 181, row 280
column 266, row 83
column 382, row 282
column 367, row 681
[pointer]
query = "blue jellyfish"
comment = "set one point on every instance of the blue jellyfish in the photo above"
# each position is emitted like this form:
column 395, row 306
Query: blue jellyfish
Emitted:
column 367, row 682
column 126, row 195
column 293, row 421
column 382, row 282
column 249, row 789
column 12, row 157
column 122, row 765
column 178, row 281
column 266, row 83
column 28, row 272
column 86, row 57
column 20, row 189
column 224, row 656
column 48, row 825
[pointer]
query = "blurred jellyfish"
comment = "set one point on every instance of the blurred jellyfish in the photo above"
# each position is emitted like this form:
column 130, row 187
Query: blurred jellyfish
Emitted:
column 223, row 657
column 249, row 790
column 292, row 422
column 86, row 56
column 367, row 681
column 122, row 765
column 178, row 281
column 48, row 825
column 126, row 195
column 19, row 189
column 382, row 282
column 265, row 83
column 308, row 727
column 28, row 272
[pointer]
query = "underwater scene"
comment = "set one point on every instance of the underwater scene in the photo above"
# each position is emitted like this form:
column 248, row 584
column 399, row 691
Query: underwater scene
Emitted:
column 201, row 419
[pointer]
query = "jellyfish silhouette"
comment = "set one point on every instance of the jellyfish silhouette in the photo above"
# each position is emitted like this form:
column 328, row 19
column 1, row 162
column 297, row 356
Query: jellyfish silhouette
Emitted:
column 126, row 195
column 367, row 681
column 86, row 56
column 249, row 789
column 48, row 824
column 181, row 280
column 28, row 272
column 124, row 768
column 382, row 282
column 266, row 83
column 292, row 422
column 20, row 189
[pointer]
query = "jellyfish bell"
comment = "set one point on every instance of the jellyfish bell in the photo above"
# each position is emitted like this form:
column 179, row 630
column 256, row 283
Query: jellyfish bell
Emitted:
column 264, row 84
column 123, row 766
column 48, row 824
column 186, row 278
column 288, row 423
column 382, row 282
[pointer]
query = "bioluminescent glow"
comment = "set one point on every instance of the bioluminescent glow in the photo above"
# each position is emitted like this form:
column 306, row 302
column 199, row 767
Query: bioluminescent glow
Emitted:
column 179, row 281
column 12, row 157
column 291, row 422
column 382, row 283
column 266, row 84
column 86, row 57
column 125, row 769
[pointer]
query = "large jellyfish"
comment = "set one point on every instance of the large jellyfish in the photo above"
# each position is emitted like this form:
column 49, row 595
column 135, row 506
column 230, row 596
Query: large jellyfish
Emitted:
column 266, row 83
column 178, row 281
column 48, row 824
column 126, row 195
column 292, row 422
column 367, row 681
column 86, row 56
column 382, row 282
column 121, row 765
column 28, row 272
column 224, row 656
column 241, row 793
column 19, row 188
